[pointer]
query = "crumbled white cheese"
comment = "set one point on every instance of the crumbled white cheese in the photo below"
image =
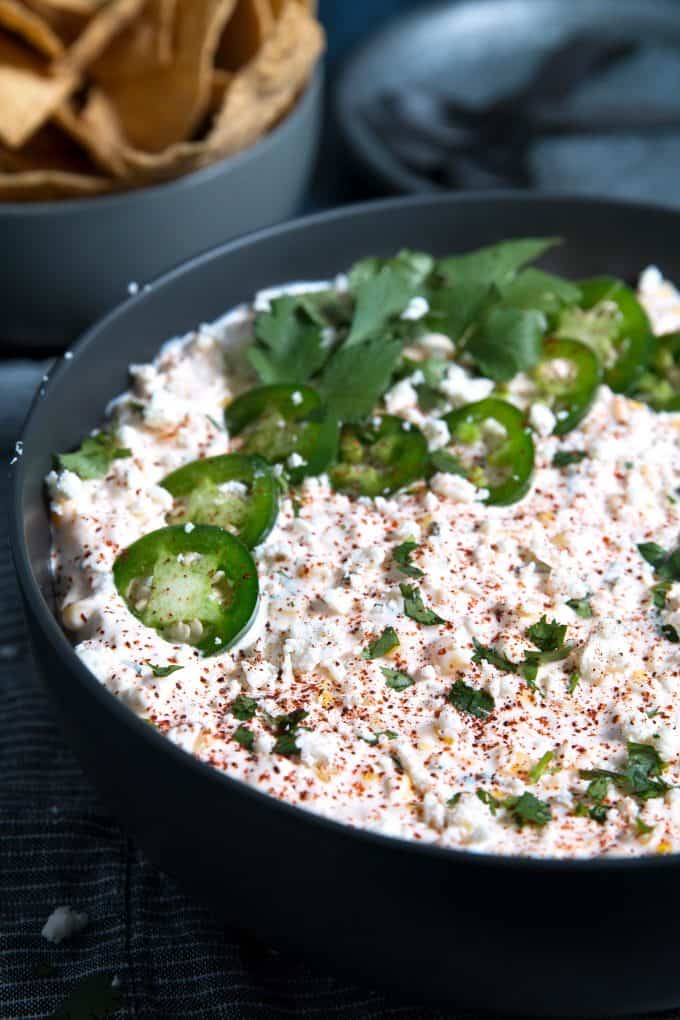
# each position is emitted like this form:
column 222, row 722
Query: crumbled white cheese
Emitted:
column 63, row 923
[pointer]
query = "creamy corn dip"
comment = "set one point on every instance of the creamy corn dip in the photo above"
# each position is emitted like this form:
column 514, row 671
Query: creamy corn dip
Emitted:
column 536, row 642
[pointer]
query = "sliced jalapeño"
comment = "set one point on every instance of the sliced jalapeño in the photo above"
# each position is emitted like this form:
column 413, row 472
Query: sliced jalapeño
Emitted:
column 610, row 319
column 278, row 422
column 379, row 457
column 234, row 492
column 659, row 386
column 502, row 451
column 194, row 585
column 568, row 374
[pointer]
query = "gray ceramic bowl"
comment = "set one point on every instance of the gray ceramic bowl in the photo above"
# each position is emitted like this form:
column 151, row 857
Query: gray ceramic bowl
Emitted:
column 68, row 262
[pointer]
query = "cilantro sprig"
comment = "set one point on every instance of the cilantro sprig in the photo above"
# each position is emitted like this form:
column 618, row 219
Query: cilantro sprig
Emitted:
column 641, row 776
column 525, row 809
column 162, row 671
column 402, row 557
column 95, row 456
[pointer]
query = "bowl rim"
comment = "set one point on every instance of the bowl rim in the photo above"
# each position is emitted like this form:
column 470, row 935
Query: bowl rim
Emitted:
column 55, row 207
column 51, row 630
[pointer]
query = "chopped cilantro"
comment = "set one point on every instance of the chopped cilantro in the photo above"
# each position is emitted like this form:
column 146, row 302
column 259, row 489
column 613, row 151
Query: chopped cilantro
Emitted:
column 541, row 766
column 493, row 803
column 375, row 737
column 641, row 778
column 395, row 679
column 574, row 681
column 162, row 670
column 388, row 640
column 243, row 736
column 494, row 658
column 642, row 828
column 563, row 458
column 95, row 456
column 213, row 421
column 93, row 996
column 670, row 633
column 507, row 341
column 659, row 592
column 524, row 810
column 243, row 707
column 297, row 507
column 528, row 810
column 548, row 635
column 402, row 557
column 290, row 347
column 666, row 564
column 286, row 744
column 415, row 608
column 581, row 607
column 454, row 798
column 468, row 699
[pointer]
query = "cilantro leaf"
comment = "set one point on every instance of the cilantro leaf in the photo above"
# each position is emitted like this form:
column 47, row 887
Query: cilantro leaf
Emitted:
column 670, row 633
column 495, row 264
column 642, row 828
column 666, row 564
column 93, row 998
column 507, row 341
column 286, row 744
column 528, row 810
column 468, row 699
column 388, row 640
column 383, row 289
column 541, row 767
column 243, row 707
column 415, row 608
column 494, row 658
column 356, row 377
column 659, row 592
column 548, row 635
column 243, row 736
column 290, row 347
column 581, row 607
column 95, row 456
column 396, row 679
column 162, row 670
column 563, row 458
column 454, row 798
column 574, row 681
column 288, row 723
column 402, row 557
column 532, row 288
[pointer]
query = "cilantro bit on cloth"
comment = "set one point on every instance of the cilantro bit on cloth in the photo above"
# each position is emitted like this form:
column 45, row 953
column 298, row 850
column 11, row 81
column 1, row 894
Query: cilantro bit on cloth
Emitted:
column 94, row 458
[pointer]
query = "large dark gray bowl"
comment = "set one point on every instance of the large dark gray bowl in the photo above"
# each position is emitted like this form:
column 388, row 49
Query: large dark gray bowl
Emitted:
column 66, row 263
column 534, row 937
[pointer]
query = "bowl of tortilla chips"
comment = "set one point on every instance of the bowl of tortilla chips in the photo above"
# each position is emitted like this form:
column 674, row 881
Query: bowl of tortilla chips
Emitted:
column 136, row 133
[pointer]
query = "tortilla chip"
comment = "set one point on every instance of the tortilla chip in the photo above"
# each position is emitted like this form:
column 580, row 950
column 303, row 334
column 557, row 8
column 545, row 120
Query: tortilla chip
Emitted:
column 220, row 82
column 91, row 128
column 67, row 24
column 29, row 94
column 278, row 5
column 263, row 91
column 33, row 29
column 245, row 33
column 99, row 31
column 49, row 185
column 166, row 30
column 156, row 104
column 50, row 165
